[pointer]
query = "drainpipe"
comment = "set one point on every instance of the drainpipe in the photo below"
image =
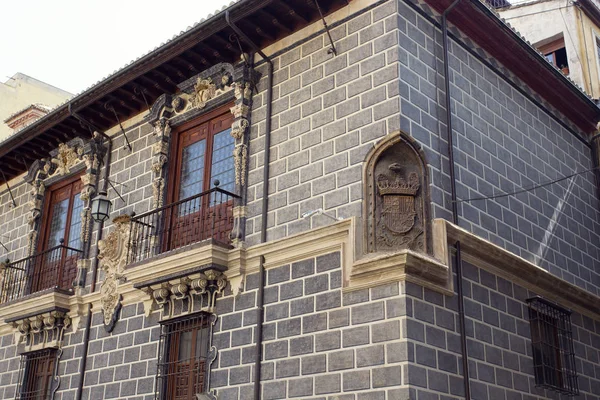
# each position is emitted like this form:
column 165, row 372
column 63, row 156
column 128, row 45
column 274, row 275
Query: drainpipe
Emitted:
column 459, row 288
column 595, row 149
column 265, row 205
column 88, row 322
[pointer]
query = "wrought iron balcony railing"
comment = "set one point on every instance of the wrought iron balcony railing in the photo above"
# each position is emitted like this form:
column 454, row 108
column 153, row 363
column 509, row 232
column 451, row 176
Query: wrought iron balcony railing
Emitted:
column 52, row 268
column 208, row 215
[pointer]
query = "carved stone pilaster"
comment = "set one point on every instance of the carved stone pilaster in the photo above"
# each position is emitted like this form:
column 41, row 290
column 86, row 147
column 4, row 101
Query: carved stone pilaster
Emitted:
column 112, row 253
column 160, row 158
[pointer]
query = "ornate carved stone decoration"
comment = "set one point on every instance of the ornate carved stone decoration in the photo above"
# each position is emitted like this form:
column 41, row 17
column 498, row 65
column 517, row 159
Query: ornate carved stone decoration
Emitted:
column 204, row 90
column 160, row 157
column 66, row 158
column 397, row 197
column 112, row 253
column 240, row 158
column 188, row 294
column 238, row 128
column 43, row 330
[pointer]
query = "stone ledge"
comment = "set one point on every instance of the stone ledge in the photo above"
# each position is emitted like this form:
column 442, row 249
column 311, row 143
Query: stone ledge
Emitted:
column 405, row 265
column 505, row 264
column 35, row 305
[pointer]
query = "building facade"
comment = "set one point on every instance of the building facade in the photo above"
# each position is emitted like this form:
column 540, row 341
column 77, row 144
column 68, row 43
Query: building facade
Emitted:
column 291, row 219
column 567, row 34
column 25, row 98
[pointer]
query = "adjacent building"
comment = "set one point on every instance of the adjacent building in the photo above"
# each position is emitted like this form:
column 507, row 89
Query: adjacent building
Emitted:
column 566, row 33
column 23, row 99
column 315, row 200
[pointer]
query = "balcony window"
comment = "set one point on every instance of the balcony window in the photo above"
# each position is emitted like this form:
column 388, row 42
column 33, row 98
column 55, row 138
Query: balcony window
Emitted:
column 55, row 266
column 201, row 195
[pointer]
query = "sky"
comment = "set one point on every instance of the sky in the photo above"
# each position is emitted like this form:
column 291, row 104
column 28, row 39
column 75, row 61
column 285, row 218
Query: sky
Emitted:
column 72, row 44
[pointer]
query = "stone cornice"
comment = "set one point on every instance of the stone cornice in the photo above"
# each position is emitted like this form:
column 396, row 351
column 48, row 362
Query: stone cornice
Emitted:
column 501, row 262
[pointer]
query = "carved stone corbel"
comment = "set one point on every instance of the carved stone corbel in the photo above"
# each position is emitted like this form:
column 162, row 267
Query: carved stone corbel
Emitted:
column 43, row 330
column 112, row 254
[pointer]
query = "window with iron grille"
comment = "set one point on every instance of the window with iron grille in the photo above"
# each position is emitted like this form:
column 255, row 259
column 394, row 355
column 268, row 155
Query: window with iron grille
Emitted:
column 182, row 363
column 552, row 345
column 36, row 375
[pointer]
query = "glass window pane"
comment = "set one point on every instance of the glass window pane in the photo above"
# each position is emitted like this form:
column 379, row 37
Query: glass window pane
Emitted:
column 222, row 161
column 185, row 346
column 192, row 169
column 58, row 223
column 75, row 228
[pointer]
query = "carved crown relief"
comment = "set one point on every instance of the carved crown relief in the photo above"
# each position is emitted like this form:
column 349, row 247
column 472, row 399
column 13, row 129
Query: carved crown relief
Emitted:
column 397, row 197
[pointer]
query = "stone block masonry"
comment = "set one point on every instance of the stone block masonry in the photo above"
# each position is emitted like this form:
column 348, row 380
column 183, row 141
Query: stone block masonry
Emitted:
column 318, row 341
column 387, row 76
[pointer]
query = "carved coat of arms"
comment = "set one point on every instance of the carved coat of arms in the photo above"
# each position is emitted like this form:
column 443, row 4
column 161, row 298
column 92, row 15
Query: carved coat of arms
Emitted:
column 204, row 90
column 399, row 213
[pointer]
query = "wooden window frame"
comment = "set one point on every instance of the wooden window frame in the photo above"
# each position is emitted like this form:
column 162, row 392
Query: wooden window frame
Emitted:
column 30, row 370
column 176, row 147
column 172, row 370
column 552, row 48
column 43, row 246
column 46, row 222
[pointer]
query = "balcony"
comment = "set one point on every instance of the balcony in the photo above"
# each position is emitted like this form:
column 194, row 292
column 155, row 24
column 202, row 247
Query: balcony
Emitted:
column 55, row 268
column 207, row 216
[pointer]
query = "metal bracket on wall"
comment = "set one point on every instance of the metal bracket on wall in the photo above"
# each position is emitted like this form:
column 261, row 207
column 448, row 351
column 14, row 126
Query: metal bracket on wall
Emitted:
column 12, row 199
column 332, row 50
column 109, row 107
column 140, row 91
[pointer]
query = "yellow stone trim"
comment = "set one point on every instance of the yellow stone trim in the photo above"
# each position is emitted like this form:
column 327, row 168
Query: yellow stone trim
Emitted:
column 429, row 271
column 406, row 265
column 514, row 268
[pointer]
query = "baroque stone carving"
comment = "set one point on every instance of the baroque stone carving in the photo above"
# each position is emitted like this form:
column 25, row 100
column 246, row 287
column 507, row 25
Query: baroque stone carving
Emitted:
column 43, row 330
column 397, row 197
column 204, row 90
column 160, row 157
column 239, row 127
column 112, row 253
column 66, row 158
column 206, row 285
column 240, row 158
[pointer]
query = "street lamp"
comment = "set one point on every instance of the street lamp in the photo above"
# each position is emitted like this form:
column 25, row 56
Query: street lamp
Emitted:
column 101, row 207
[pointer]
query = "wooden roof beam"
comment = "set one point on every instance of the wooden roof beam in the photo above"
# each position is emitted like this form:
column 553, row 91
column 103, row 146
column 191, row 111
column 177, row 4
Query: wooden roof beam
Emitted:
column 202, row 60
column 275, row 21
column 184, row 60
column 124, row 91
column 292, row 12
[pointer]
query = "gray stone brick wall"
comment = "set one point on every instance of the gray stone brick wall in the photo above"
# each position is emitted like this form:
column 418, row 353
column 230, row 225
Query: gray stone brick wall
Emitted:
column 122, row 364
column 498, row 342
column 328, row 111
column 387, row 76
column 318, row 341
column 13, row 222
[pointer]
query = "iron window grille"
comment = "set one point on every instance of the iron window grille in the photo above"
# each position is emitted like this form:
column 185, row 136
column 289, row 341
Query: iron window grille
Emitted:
column 36, row 375
column 552, row 345
column 184, row 357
